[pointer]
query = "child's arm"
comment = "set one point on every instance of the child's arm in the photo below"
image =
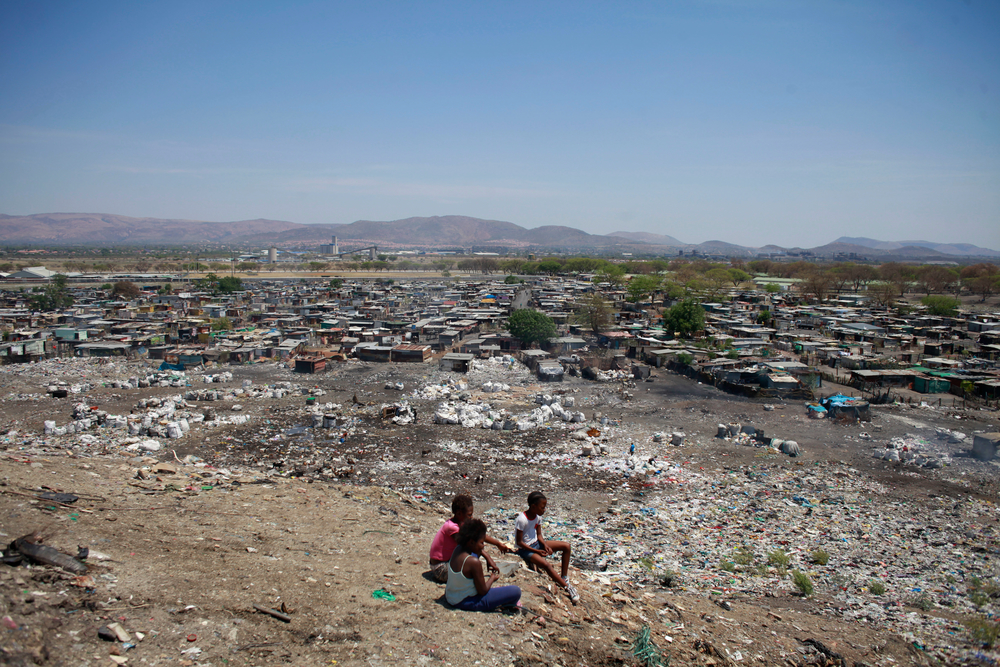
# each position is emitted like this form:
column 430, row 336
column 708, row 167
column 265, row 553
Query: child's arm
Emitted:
column 546, row 549
column 519, row 542
column 489, row 562
column 475, row 568
column 498, row 544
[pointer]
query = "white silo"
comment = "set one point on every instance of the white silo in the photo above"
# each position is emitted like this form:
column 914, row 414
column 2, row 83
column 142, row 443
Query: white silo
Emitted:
column 272, row 255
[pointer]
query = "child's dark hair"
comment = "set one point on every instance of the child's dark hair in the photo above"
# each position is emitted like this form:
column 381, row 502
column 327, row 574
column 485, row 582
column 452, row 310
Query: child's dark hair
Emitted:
column 461, row 503
column 471, row 531
column 535, row 497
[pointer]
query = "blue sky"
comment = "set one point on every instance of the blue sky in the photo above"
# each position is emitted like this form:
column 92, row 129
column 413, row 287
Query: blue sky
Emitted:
column 783, row 122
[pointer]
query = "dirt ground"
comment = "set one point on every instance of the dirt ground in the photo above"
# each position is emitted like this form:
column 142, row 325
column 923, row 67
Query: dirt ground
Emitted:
column 186, row 540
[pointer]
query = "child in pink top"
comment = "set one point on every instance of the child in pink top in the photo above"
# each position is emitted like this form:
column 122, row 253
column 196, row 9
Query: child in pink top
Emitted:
column 443, row 545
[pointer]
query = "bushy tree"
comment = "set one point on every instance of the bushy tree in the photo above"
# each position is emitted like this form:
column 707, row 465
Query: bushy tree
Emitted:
column 738, row 276
column 125, row 289
column 54, row 296
column 685, row 318
column 940, row 305
column 642, row 286
column 593, row 312
column 530, row 326
column 550, row 266
column 230, row 284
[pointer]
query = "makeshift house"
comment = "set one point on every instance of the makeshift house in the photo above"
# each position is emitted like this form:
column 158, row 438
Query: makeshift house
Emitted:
column 839, row 406
column 457, row 362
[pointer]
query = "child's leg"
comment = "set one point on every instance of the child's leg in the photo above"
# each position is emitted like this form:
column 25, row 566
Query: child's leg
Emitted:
column 565, row 549
column 501, row 596
column 540, row 563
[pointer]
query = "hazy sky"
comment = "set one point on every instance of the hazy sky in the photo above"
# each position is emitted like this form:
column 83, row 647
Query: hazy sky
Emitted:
column 754, row 122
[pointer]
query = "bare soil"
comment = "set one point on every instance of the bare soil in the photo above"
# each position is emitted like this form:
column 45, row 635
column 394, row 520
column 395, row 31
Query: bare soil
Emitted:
column 313, row 525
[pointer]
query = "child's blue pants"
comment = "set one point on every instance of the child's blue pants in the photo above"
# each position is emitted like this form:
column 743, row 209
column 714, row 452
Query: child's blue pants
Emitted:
column 495, row 597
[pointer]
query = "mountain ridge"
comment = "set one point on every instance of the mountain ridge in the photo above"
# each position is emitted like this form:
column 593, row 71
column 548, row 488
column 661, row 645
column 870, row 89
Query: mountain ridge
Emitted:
column 103, row 229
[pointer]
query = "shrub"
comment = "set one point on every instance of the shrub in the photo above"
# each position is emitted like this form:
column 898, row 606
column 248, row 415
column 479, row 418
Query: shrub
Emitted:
column 923, row 602
column 802, row 582
column 979, row 598
column 876, row 587
column 779, row 558
column 820, row 557
column 983, row 631
column 728, row 566
column 743, row 556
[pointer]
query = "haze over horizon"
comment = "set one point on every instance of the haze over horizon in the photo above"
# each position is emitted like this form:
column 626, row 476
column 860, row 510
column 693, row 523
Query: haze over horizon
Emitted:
column 768, row 122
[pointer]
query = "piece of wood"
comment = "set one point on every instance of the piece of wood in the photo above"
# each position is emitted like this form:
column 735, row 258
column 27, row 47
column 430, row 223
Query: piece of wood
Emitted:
column 273, row 612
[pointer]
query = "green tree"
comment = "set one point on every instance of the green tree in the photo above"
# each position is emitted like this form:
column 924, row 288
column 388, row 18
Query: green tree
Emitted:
column 717, row 279
column 685, row 318
column 229, row 284
column 336, row 283
column 550, row 266
column 54, row 296
column 737, row 276
column 940, row 305
column 221, row 324
column 593, row 312
column 983, row 279
column 610, row 273
column 125, row 289
column 512, row 280
column 642, row 286
column 166, row 289
column 581, row 264
column 530, row 326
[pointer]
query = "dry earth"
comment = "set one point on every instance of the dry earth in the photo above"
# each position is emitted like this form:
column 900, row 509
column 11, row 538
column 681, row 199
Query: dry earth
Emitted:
column 302, row 521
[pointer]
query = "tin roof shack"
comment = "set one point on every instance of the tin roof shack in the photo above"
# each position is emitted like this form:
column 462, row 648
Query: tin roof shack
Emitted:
column 566, row 344
column 456, row 362
column 984, row 446
column 26, row 351
column 102, row 349
column 550, row 370
column 373, row 352
column 410, row 353
column 846, row 408
column 310, row 364
column 448, row 337
column 866, row 379
column 530, row 358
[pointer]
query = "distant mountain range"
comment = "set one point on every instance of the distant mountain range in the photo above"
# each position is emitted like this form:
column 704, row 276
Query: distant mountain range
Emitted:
column 449, row 231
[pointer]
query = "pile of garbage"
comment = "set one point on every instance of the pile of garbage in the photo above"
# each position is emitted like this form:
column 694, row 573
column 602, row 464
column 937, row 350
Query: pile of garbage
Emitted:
column 597, row 375
column 504, row 368
column 483, row 415
column 749, row 436
column 912, row 450
column 494, row 387
column 445, row 389
column 61, row 389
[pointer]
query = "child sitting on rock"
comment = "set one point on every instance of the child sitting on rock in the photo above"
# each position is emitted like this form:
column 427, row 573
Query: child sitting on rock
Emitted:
column 533, row 548
column 444, row 543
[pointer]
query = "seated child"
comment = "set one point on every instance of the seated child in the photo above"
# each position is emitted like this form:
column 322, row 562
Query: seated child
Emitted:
column 533, row 548
column 467, row 589
column 444, row 541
